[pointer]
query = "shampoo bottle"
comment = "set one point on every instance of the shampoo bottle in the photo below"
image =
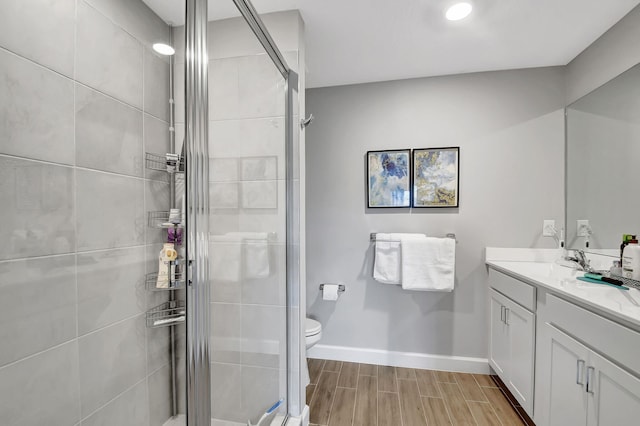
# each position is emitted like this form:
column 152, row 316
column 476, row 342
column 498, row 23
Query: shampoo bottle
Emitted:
column 631, row 261
column 165, row 272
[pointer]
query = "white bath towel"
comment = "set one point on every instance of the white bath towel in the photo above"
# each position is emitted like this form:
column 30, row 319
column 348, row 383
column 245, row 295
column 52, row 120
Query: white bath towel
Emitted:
column 226, row 257
column 255, row 260
column 386, row 267
column 428, row 264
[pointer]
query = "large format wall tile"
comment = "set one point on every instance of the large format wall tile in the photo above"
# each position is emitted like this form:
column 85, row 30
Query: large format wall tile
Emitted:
column 156, row 85
column 38, row 210
column 111, row 360
column 108, row 133
column 160, row 396
column 136, row 18
column 156, row 141
column 261, row 88
column 178, row 92
column 38, row 305
column 110, row 287
column 226, row 394
column 36, row 110
column 110, row 211
column 156, row 199
column 264, row 335
column 261, row 387
column 129, row 409
column 158, row 347
column 40, row 30
column 224, row 89
column 271, row 289
column 108, row 58
column 41, row 390
column 226, row 321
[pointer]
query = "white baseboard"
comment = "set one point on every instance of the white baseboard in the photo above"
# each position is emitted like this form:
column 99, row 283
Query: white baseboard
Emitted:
column 401, row 359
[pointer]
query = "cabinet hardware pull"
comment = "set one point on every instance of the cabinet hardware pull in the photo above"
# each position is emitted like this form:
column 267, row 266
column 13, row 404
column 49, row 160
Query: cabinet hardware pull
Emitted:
column 579, row 372
column 590, row 371
column 501, row 313
column 506, row 316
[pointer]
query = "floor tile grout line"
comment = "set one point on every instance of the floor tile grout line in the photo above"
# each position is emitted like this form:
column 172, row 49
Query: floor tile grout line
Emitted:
column 378, row 398
column 491, row 404
column 444, row 400
column 395, row 372
column 333, row 400
column 355, row 402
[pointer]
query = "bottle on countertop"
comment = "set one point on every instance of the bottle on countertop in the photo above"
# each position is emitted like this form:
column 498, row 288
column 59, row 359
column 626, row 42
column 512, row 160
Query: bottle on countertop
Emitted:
column 625, row 241
column 616, row 268
column 631, row 260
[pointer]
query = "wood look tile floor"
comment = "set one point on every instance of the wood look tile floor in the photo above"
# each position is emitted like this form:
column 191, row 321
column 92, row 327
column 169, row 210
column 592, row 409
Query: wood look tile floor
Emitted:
column 352, row 394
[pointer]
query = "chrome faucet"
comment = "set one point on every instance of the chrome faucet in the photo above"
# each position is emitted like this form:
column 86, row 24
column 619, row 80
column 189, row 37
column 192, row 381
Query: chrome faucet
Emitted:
column 580, row 259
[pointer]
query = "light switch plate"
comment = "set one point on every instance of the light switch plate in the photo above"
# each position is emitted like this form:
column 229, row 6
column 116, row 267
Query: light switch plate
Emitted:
column 583, row 228
column 549, row 228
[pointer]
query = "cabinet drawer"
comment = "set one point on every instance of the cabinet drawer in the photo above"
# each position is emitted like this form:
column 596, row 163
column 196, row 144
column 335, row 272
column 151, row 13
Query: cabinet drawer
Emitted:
column 516, row 290
column 613, row 340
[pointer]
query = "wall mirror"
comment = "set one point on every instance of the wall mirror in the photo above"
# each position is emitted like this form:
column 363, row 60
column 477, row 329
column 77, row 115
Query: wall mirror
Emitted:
column 603, row 165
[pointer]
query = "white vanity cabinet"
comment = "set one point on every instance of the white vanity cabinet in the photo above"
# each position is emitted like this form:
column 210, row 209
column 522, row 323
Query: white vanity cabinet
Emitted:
column 512, row 335
column 582, row 378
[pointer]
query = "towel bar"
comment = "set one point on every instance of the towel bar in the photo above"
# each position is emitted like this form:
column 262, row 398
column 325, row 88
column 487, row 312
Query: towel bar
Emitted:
column 373, row 237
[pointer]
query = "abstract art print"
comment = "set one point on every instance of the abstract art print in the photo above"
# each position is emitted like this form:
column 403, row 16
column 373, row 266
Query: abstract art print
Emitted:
column 435, row 177
column 389, row 178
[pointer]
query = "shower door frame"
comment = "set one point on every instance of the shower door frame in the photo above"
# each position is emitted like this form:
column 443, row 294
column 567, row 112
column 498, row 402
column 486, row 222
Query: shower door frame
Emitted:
column 198, row 376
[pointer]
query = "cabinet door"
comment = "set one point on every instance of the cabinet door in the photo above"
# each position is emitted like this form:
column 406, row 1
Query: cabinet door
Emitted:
column 521, row 326
column 614, row 394
column 498, row 337
column 567, row 396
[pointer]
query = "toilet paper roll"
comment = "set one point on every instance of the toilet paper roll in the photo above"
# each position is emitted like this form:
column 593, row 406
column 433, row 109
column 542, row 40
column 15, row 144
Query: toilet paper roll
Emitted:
column 330, row 292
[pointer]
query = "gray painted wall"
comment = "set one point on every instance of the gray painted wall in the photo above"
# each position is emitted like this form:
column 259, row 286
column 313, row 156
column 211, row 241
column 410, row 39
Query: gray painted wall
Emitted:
column 615, row 52
column 509, row 126
column 82, row 96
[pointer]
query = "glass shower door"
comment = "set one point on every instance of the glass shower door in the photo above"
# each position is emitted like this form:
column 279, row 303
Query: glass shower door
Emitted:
column 247, row 225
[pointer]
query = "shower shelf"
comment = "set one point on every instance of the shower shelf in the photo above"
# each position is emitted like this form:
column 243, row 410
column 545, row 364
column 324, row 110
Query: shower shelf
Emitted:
column 170, row 163
column 176, row 282
column 160, row 219
column 167, row 314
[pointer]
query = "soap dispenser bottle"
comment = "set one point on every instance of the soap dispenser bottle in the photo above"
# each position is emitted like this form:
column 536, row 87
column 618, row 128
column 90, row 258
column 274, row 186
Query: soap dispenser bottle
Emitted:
column 631, row 260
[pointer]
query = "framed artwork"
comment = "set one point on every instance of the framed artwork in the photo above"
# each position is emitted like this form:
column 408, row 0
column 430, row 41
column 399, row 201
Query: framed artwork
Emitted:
column 389, row 178
column 436, row 177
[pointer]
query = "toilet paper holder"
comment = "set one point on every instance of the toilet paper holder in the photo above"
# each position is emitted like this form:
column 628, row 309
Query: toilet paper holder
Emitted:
column 341, row 287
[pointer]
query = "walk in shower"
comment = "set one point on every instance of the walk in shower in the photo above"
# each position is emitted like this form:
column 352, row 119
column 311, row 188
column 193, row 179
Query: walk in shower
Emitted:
column 150, row 273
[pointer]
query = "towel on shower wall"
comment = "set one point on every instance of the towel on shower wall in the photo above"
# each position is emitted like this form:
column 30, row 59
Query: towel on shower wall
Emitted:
column 386, row 266
column 255, row 257
column 226, row 257
column 428, row 264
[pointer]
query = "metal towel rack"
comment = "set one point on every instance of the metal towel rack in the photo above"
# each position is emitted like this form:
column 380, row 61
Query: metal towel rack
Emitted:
column 373, row 237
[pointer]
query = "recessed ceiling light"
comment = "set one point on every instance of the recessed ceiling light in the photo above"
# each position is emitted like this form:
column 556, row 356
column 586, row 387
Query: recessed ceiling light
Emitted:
column 164, row 49
column 458, row 11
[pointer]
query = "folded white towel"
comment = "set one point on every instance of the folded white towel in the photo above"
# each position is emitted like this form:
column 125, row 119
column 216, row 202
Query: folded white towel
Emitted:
column 226, row 257
column 256, row 254
column 386, row 267
column 428, row 264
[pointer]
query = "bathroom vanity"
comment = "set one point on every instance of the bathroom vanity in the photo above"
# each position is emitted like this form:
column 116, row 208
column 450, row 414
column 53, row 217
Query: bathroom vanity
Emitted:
column 568, row 351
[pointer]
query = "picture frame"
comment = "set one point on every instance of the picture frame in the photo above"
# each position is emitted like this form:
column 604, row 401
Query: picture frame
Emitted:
column 389, row 178
column 436, row 177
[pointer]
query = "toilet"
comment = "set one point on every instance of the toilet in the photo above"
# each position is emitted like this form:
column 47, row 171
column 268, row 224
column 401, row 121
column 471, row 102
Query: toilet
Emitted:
column 312, row 332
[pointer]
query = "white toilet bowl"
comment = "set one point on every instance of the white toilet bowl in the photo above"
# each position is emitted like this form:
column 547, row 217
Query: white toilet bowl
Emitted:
column 312, row 332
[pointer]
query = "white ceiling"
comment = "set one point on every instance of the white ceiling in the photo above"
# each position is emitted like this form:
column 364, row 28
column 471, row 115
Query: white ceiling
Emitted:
column 357, row 41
